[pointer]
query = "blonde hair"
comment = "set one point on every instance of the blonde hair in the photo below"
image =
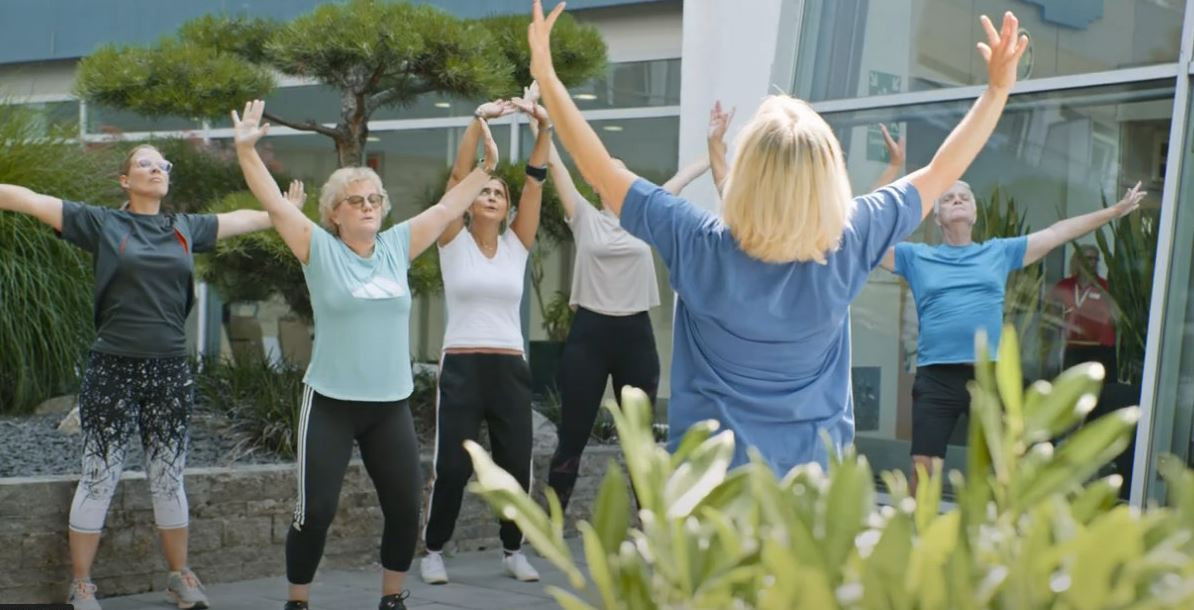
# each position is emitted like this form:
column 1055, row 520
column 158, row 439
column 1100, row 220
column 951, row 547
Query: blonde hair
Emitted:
column 787, row 197
column 336, row 187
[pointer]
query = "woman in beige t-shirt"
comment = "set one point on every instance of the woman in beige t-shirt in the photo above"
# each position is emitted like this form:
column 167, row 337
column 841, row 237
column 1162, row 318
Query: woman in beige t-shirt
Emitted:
column 613, row 289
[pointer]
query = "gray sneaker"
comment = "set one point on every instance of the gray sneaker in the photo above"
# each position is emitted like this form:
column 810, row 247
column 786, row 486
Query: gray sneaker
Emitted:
column 82, row 595
column 186, row 590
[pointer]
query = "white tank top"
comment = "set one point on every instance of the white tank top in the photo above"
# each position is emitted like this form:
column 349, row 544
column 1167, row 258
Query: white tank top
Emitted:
column 482, row 295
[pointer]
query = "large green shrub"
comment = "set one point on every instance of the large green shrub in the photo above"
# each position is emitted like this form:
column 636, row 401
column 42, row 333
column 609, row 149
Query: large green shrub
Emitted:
column 1030, row 530
column 45, row 283
column 260, row 401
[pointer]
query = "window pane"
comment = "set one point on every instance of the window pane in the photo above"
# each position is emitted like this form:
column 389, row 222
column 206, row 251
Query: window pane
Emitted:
column 857, row 48
column 1056, row 155
column 105, row 120
column 1173, row 415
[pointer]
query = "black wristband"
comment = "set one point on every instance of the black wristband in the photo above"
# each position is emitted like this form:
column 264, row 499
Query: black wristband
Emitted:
column 538, row 173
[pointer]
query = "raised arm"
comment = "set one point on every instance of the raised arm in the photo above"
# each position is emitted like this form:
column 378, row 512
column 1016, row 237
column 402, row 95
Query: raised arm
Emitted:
column 896, row 153
column 246, row 221
column 687, row 174
column 526, row 220
column 611, row 180
column 42, row 207
column 1042, row 242
column 570, row 196
column 466, row 156
column 719, row 122
column 290, row 222
column 1002, row 54
column 432, row 222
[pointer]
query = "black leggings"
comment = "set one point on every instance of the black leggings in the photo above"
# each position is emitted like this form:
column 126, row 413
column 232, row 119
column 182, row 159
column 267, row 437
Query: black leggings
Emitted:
column 476, row 387
column 385, row 433
column 598, row 347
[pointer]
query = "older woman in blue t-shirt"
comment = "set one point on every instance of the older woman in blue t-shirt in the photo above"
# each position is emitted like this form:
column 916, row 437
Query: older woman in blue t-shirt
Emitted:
column 762, row 325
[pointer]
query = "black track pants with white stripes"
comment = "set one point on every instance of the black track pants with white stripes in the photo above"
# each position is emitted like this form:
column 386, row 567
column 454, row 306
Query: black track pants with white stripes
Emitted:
column 385, row 433
column 476, row 387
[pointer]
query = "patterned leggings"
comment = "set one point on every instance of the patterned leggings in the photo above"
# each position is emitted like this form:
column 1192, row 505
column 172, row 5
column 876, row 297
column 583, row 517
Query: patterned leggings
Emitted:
column 120, row 395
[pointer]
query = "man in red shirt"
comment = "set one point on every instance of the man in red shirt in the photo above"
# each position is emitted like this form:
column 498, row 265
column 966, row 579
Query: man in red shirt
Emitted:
column 1088, row 312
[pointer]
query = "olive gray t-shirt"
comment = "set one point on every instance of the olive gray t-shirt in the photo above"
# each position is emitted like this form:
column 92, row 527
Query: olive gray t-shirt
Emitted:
column 614, row 272
column 144, row 268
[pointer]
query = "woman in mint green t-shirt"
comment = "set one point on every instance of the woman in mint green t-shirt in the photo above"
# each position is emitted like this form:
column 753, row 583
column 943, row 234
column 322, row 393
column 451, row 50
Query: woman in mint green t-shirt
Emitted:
column 357, row 385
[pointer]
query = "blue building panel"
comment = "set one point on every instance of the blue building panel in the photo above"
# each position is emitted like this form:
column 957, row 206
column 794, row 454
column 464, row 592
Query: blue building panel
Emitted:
column 43, row 30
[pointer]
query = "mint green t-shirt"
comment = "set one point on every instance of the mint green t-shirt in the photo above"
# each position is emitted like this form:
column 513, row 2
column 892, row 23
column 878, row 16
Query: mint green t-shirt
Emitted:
column 362, row 317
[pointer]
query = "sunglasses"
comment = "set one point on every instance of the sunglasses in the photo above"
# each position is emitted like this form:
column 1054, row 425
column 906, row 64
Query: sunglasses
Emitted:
column 163, row 165
column 375, row 199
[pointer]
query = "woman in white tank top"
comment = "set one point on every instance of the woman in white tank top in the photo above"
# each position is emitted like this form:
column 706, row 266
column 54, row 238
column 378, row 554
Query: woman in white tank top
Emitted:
column 483, row 375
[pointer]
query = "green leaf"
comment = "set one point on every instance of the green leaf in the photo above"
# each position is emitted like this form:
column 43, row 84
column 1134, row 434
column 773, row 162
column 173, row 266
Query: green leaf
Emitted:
column 848, row 501
column 612, row 512
column 503, row 492
column 597, row 560
column 566, row 600
column 1011, row 385
column 1096, row 498
column 1079, row 458
column 1057, row 407
column 695, row 478
column 884, row 571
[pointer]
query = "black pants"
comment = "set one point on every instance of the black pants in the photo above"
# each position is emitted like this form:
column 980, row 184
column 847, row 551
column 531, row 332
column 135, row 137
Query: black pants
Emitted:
column 939, row 398
column 476, row 387
column 598, row 347
column 385, row 433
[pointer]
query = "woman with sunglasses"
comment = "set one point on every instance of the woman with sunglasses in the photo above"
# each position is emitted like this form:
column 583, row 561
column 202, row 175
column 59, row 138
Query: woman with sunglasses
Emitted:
column 483, row 375
column 137, row 376
column 359, row 380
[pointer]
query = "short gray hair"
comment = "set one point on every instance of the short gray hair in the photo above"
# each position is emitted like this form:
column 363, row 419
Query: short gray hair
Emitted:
column 937, row 201
column 336, row 187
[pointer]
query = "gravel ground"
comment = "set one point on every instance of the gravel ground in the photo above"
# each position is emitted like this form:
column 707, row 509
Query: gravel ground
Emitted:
column 32, row 446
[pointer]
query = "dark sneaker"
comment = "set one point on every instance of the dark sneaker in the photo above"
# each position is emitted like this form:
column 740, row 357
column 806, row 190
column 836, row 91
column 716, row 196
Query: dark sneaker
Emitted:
column 396, row 601
column 296, row 605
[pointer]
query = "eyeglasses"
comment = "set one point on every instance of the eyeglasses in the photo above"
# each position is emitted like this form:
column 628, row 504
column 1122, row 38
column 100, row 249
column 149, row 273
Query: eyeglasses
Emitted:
column 357, row 201
column 164, row 165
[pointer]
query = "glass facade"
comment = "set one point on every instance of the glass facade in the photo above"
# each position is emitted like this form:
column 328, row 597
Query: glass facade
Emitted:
column 1064, row 147
column 899, row 46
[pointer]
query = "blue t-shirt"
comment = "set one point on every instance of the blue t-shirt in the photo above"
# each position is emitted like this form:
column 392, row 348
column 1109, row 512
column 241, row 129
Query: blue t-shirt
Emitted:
column 958, row 290
column 764, row 348
column 361, row 308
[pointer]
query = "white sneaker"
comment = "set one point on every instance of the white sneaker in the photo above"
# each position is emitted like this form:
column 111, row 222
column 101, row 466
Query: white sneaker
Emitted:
column 432, row 569
column 82, row 596
column 519, row 567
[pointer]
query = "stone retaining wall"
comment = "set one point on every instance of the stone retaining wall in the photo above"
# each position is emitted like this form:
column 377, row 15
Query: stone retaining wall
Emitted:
column 239, row 518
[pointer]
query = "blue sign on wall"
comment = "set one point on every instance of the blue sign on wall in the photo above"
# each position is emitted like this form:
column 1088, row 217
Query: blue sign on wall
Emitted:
column 1076, row 14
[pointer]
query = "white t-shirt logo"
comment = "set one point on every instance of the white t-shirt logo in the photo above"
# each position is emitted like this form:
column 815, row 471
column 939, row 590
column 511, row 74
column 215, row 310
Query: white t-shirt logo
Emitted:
column 379, row 287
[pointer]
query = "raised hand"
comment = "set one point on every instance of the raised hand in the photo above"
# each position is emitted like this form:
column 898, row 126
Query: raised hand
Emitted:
column 896, row 149
column 1130, row 201
column 296, row 194
column 539, row 39
column 495, row 109
column 533, row 110
column 491, row 149
column 1002, row 51
column 719, row 121
column 249, row 129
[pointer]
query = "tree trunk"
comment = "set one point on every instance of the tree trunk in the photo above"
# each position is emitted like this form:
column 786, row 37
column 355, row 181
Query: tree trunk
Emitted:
column 354, row 130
